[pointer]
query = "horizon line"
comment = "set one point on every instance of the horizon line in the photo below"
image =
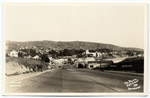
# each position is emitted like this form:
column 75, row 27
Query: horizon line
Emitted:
column 76, row 41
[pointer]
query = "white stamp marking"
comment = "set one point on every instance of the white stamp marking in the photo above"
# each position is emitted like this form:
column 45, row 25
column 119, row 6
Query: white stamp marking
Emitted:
column 15, row 84
column 132, row 84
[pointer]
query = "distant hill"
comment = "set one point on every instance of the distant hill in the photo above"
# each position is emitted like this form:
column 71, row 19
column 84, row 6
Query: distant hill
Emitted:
column 13, row 45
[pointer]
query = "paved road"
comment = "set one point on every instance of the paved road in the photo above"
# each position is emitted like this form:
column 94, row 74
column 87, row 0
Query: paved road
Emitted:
column 79, row 80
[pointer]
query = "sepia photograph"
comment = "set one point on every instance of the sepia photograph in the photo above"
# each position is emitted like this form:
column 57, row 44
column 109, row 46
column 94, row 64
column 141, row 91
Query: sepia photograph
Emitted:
column 75, row 49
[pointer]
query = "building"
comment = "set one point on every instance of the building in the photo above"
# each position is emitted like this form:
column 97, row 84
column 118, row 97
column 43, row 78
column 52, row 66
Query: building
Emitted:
column 13, row 53
column 93, row 54
column 36, row 57
column 99, row 64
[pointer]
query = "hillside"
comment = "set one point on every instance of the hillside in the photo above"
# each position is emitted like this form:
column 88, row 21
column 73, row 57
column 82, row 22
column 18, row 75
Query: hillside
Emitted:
column 17, row 65
column 13, row 45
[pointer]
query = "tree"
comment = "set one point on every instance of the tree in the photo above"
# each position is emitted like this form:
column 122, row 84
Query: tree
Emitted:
column 44, row 58
column 32, row 52
column 130, row 53
column 53, row 53
column 20, row 54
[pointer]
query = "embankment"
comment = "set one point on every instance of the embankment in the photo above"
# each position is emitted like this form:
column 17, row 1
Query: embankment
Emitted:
column 17, row 65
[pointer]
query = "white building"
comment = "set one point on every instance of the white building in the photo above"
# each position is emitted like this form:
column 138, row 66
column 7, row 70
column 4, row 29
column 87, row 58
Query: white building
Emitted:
column 93, row 54
column 36, row 57
column 13, row 53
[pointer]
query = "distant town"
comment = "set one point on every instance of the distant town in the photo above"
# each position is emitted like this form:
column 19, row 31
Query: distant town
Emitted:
column 50, row 65
column 36, row 53
column 87, row 58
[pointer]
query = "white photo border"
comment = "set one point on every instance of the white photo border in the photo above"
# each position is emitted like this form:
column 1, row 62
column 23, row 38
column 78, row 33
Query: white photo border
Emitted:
column 146, row 46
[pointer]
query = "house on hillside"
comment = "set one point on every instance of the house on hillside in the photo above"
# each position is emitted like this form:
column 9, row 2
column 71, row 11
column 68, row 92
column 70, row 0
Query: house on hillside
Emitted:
column 140, row 55
column 42, row 51
column 47, row 50
column 36, row 57
column 93, row 54
column 13, row 53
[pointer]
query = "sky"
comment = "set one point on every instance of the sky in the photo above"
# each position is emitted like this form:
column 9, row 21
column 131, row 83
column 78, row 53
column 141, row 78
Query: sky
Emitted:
column 118, row 24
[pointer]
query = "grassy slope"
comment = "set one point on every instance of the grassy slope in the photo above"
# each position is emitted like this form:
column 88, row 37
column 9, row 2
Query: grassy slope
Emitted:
column 24, row 61
column 19, row 65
